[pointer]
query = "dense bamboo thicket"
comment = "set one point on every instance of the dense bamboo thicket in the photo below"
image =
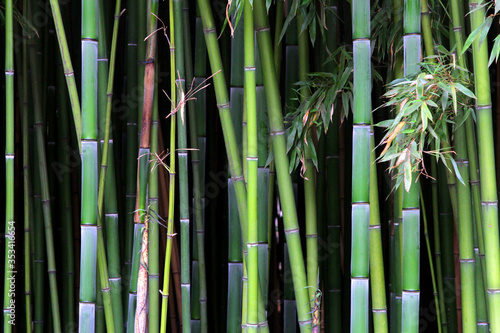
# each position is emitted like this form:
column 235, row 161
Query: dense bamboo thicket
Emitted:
column 250, row 166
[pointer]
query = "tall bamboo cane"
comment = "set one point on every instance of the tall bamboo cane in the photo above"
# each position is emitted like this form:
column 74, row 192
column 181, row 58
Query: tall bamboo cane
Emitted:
column 182, row 153
column 111, row 282
column 198, row 150
column 309, row 176
column 171, row 172
column 10, row 225
column 377, row 276
column 411, row 212
column 487, row 168
column 154, row 227
column 68, row 70
column 22, row 59
column 252, row 165
column 88, row 255
column 237, row 301
column 465, row 213
column 281, row 162
column 131, row 142
column 143, row 171
column 198, row 135
column 361, row 167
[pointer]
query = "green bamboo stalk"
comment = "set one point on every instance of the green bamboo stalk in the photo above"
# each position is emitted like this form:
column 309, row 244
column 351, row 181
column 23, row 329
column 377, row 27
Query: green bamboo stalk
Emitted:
column 10, row 224
column 487, row 168
column 39, row 256
column 291, row 101
column 309, row 177
column 446, row 233
column 182, row 153
column 465, row 234
column 198, row 128
column 264, row 200
column 396, row 264
column 224, row 110
column 237, row 303
column 154, row 228
column 482, row 319
column 89, row 215
column 377, row 277
column 252, row 173
column 361, row 167
column 197, row 162
column 45, row 194
column 131, row 141
column 171, row 171
column 68, row 70
column 100, row 319
column 290, row 305
column 411, row 212
column 111, row 281
column 22, row 59
column 281, row 162
column 465, row 213
column 280, row 18
column 236, row 271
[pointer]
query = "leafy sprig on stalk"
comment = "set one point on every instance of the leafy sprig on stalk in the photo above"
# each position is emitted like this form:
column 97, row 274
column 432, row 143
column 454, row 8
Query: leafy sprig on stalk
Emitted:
column 314, row 115
column 427, row 103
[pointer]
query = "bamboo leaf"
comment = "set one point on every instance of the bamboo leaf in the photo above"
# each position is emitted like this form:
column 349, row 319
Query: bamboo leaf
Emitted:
column 484, row 31
column 464, row 90
column 473, row 35
column 457, row 173
column 495, row 51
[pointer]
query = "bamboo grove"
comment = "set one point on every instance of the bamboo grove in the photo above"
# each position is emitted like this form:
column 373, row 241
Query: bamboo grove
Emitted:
column 250, row 166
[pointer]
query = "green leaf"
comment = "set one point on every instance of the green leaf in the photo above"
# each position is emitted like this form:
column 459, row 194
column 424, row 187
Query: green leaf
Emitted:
column 385, row 123
column 495, row 51
column 457, row 173
column 312, row 151
column 464, row 90
column 408, row 131
column 473, row 35
column 484, row 32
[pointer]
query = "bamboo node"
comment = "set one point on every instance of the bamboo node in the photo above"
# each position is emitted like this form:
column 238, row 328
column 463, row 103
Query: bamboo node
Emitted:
column 222, row 106
column 209, row 30
column 483, row 107
column 275, row 133
column 263, row 29
column 290, row 231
